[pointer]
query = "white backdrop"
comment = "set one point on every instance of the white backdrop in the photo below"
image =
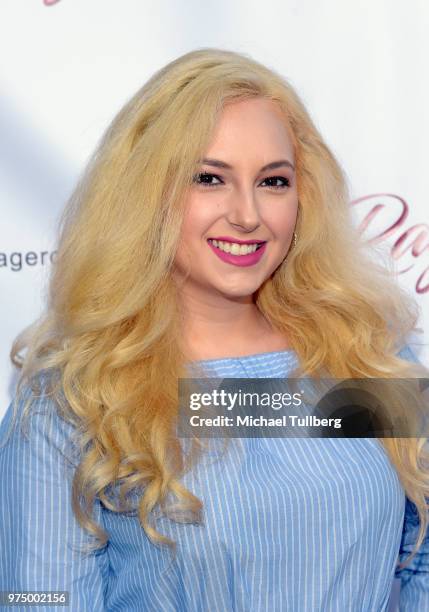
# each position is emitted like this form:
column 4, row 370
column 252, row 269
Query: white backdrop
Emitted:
column 67, row 66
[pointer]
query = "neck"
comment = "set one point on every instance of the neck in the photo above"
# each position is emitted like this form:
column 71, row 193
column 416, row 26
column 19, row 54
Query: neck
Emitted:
column 211, row 323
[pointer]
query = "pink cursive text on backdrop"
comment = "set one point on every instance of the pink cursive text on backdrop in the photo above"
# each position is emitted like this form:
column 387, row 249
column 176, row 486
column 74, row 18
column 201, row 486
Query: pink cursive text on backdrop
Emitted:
column 388, row 213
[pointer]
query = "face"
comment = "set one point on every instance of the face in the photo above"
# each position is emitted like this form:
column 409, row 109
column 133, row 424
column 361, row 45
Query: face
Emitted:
column 244, row 191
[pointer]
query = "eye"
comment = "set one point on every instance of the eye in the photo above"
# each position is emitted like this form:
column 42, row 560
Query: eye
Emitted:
column 286, row 182
column 204, row 178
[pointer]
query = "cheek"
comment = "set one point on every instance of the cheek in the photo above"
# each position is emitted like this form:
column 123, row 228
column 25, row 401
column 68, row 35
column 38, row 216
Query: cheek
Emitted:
column 194, row 226
column 189, row 227
column 281, row 220
column 198, row 218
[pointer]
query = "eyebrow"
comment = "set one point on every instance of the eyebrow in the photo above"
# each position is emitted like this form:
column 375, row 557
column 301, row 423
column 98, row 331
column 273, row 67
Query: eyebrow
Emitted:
column 271, row 166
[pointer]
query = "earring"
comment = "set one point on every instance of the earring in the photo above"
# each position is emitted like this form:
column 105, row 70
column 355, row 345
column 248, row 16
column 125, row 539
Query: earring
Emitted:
column 294, row 239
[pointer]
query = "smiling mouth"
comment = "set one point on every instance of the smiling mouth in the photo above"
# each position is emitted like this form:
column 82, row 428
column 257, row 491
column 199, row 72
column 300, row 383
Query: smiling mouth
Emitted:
column 234, row 248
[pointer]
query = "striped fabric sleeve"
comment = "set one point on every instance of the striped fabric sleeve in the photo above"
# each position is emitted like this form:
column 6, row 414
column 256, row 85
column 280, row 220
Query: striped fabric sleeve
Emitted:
column 40, row 538
column 414, row 593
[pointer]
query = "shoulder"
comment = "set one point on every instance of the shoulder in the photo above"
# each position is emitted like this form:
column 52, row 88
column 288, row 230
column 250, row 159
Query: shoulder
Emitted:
column 33, row 423
column 407, row 353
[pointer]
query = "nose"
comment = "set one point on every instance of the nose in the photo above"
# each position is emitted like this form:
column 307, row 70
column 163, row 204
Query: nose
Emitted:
column 243, row 211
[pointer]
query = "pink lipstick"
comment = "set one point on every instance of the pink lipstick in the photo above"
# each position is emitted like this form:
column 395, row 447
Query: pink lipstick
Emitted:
column 239, row 260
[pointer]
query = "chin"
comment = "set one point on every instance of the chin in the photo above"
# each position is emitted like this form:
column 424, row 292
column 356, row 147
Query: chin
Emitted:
column 238, row 292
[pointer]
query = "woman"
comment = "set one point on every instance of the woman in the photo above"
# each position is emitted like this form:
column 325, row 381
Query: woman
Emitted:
column 153, row 282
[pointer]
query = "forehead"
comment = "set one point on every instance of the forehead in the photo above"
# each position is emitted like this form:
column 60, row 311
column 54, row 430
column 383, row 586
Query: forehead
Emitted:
column 251, row 125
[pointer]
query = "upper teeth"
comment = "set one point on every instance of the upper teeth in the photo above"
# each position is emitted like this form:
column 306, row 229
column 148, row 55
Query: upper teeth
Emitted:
column 234, row 247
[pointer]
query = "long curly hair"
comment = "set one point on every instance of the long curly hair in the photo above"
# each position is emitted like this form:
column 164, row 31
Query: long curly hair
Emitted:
column 108, row 342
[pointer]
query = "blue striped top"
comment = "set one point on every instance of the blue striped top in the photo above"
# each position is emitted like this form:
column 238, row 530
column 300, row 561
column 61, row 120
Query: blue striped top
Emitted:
column 290, row 524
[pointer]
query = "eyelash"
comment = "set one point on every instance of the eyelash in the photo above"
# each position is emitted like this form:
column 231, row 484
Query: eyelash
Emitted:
column 201, row 174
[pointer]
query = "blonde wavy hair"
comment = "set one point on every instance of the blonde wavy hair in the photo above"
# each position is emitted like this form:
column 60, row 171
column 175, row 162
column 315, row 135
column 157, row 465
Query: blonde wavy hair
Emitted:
column 108, row 343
